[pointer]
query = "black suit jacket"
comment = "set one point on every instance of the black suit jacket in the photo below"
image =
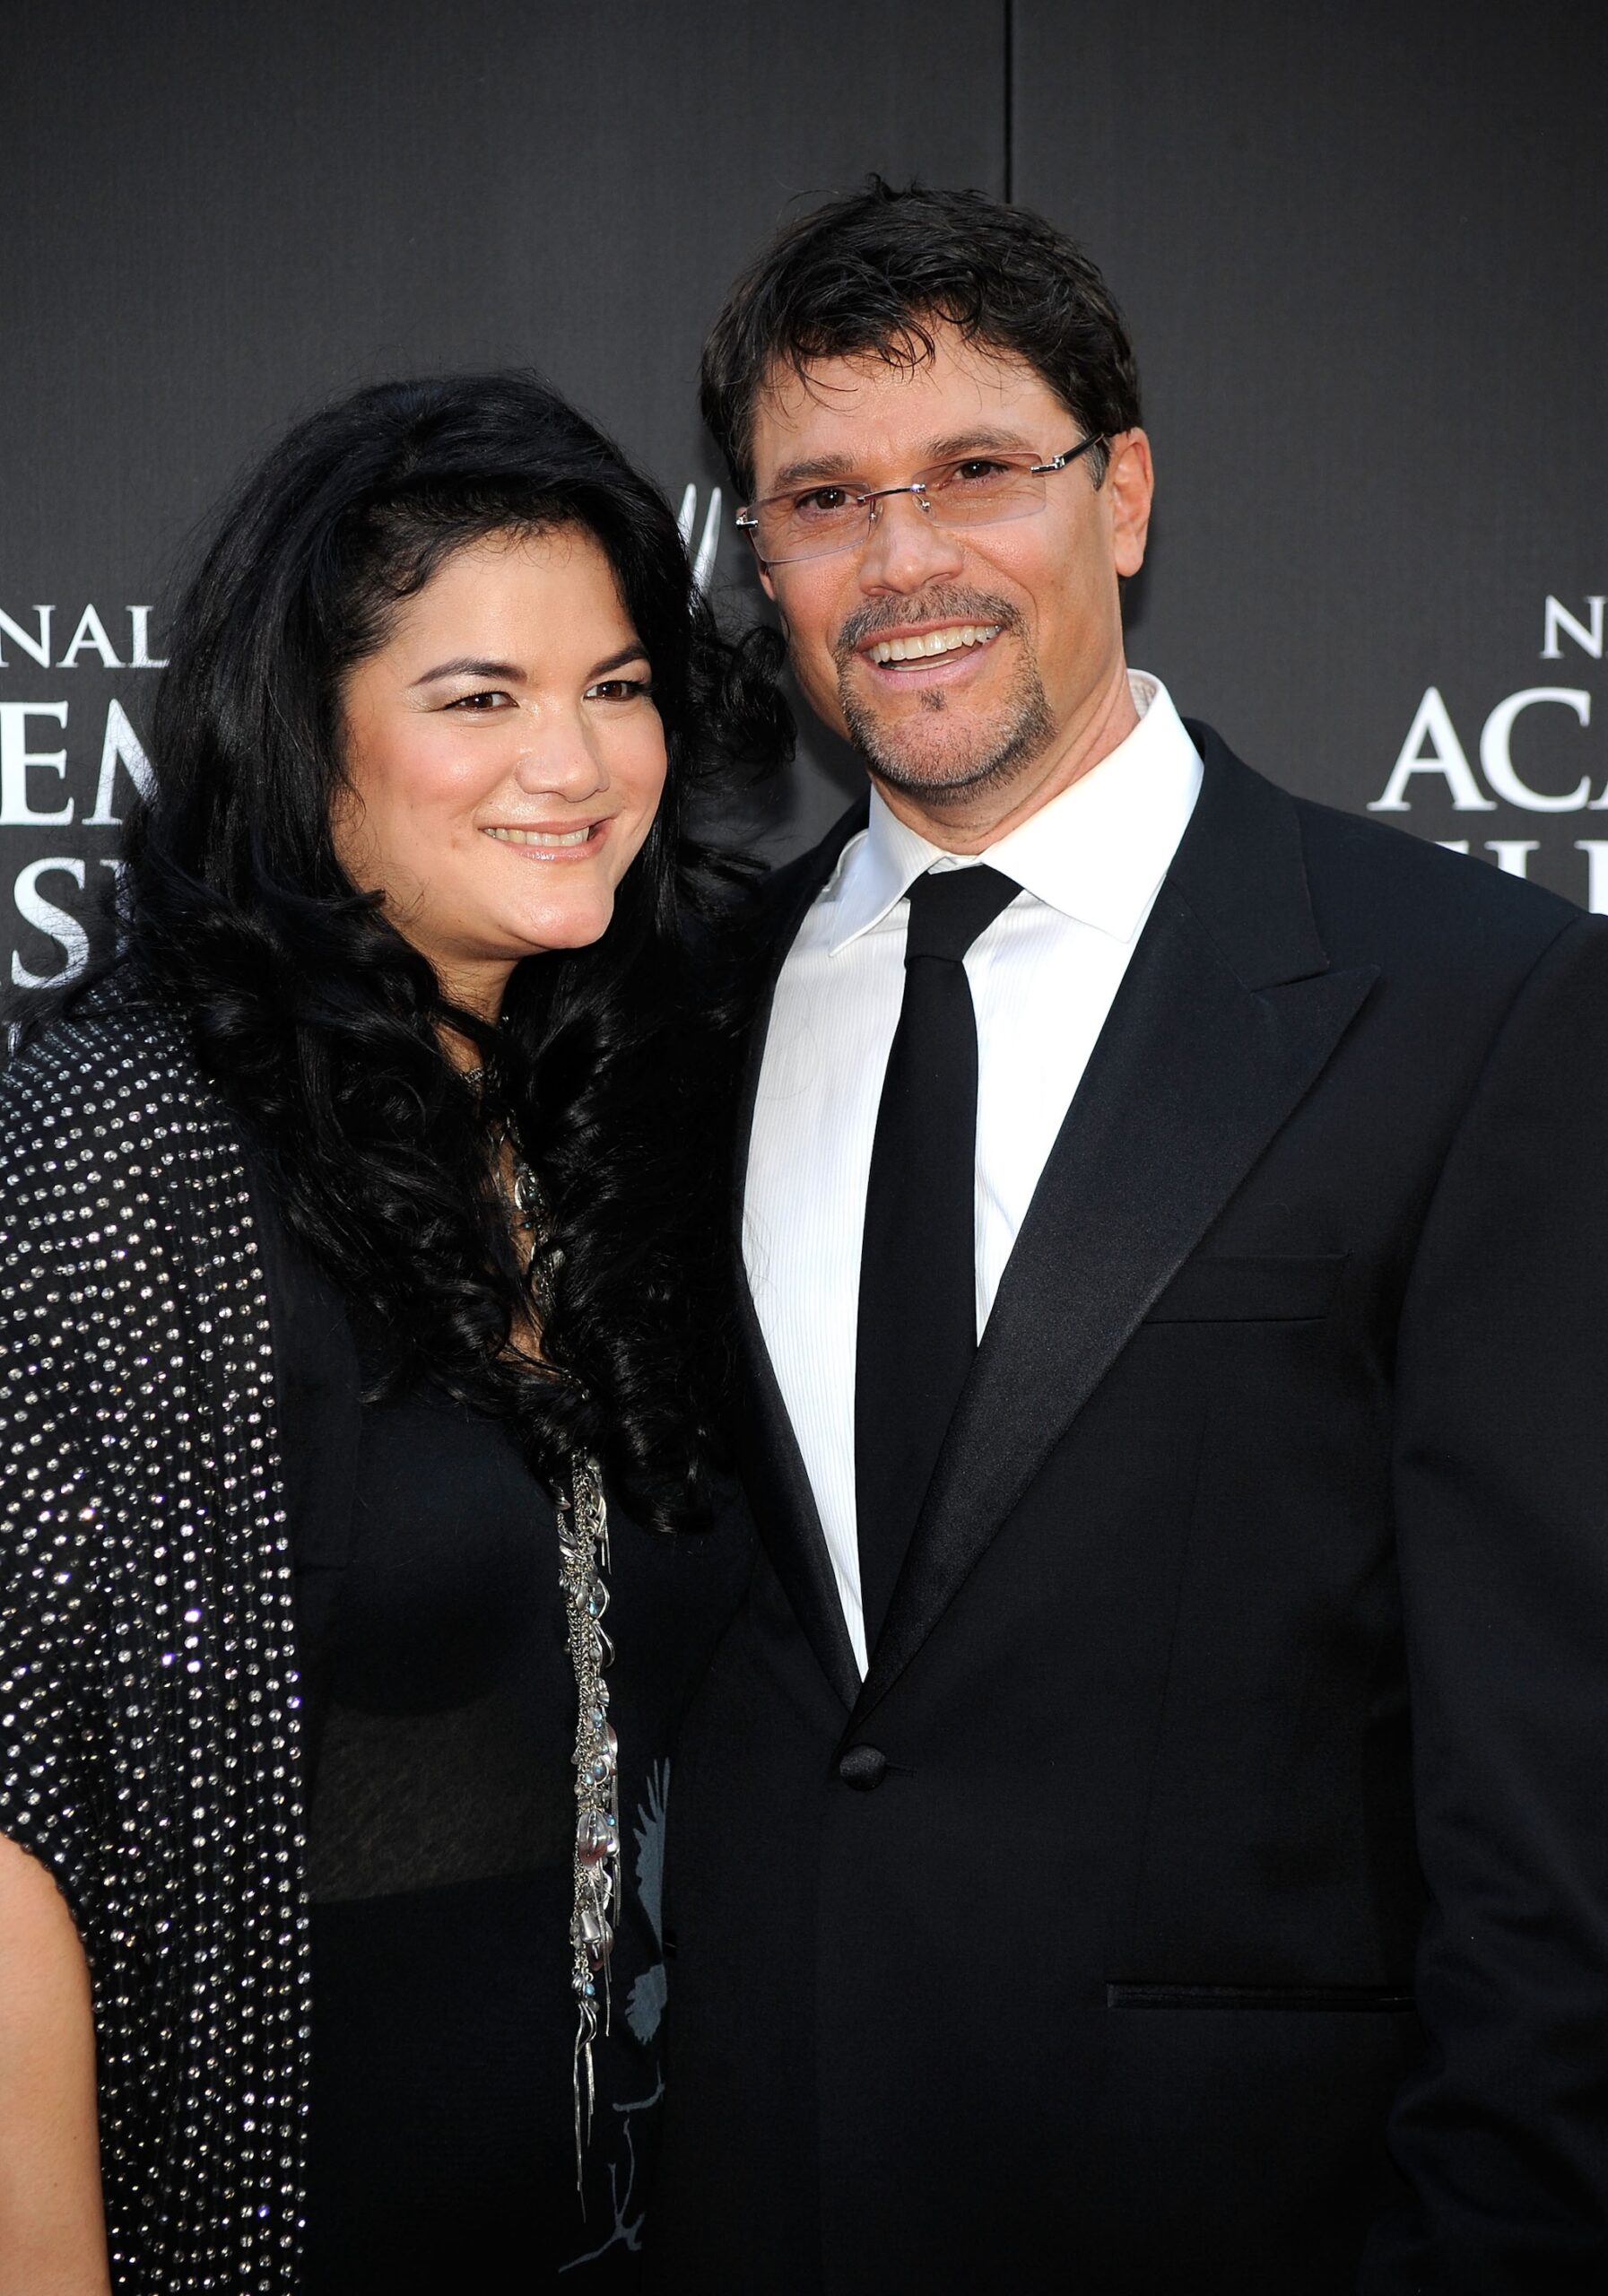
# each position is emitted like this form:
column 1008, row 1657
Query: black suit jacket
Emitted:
column 1225, row 1903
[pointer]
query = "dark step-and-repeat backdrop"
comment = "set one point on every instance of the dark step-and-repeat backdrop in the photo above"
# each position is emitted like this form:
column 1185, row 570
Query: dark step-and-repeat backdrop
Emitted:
column 1362, row 252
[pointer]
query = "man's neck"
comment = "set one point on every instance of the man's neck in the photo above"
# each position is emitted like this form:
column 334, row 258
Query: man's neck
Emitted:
column 971, row 820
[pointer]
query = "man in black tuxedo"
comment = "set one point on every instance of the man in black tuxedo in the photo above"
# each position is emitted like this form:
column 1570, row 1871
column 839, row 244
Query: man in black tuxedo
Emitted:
column 1147, row 1831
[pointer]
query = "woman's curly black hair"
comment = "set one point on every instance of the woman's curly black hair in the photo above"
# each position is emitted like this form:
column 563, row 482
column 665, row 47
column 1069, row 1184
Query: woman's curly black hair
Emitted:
column 320, row 1023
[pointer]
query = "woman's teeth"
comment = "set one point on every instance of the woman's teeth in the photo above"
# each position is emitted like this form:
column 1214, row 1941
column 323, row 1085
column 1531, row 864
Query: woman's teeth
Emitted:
column 544, row 837
column 934, row 641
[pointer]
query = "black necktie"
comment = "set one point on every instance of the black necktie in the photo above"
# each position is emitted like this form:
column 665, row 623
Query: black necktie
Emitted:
column 917, row 1321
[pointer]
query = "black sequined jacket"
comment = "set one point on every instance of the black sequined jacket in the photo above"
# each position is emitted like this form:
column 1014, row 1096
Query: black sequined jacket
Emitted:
column 148, row 1694
column 173, row 1497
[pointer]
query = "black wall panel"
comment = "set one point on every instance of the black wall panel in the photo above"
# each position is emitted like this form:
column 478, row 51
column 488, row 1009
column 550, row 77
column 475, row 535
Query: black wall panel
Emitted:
column 1362, row 251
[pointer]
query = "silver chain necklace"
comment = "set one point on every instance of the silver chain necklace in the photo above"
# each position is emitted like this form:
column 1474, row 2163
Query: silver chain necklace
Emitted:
column 583, row 1525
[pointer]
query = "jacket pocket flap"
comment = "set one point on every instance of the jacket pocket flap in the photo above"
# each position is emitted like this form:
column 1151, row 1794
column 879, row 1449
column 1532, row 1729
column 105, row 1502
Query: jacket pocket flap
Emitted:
column 1234, row 1290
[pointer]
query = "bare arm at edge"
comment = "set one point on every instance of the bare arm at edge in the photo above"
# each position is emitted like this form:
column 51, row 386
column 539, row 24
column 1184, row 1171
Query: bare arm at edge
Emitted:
column 52, row 2224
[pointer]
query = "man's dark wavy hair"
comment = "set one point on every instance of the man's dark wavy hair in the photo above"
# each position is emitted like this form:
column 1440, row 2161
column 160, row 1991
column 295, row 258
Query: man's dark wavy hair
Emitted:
column 320, row 1021
column 867, row 275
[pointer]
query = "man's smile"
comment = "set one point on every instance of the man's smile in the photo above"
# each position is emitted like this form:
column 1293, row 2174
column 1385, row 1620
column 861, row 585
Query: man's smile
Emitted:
column 929, row 645
column 926, row 652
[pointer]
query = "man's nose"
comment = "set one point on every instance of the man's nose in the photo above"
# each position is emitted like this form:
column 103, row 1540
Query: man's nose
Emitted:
column 906, row 547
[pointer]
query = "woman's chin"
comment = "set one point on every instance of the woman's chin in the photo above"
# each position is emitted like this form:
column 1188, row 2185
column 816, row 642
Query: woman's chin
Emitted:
column 571, row 923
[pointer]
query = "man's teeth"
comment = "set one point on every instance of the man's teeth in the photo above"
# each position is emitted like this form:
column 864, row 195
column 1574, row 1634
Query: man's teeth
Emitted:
column 542, row 836
column 934, row 641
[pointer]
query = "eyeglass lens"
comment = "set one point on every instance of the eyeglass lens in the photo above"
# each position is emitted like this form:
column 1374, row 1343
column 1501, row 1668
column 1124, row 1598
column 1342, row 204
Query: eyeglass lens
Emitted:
column 981, row 491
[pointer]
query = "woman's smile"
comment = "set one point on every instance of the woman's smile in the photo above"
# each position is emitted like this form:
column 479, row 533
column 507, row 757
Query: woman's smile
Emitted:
column 551, row 844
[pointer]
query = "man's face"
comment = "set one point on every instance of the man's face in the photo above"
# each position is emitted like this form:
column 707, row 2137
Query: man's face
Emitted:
column 976, row 737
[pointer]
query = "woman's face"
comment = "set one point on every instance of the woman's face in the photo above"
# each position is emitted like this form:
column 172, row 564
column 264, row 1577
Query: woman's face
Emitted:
column 504, row 759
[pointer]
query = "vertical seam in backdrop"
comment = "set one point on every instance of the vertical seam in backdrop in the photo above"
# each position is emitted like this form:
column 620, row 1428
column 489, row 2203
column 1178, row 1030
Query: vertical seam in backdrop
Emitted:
column 1010, row 96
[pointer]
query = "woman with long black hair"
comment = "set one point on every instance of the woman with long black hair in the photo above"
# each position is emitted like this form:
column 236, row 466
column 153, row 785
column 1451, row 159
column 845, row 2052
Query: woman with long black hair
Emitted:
column 359, row 1292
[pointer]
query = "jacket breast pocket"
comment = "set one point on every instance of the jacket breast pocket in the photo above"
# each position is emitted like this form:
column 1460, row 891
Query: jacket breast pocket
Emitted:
column 1261, row 1288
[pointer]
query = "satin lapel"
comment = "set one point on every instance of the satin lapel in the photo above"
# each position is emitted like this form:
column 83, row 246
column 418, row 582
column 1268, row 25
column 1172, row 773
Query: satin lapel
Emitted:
column 774, row 1474
column 1195, row 1070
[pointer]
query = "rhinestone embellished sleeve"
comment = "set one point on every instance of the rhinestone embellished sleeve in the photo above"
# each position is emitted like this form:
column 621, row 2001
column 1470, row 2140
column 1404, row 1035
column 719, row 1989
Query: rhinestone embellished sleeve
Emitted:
column 148, row 1699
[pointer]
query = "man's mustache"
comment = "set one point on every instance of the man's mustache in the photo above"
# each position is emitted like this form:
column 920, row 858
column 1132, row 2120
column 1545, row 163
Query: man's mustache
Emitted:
column 879, row 616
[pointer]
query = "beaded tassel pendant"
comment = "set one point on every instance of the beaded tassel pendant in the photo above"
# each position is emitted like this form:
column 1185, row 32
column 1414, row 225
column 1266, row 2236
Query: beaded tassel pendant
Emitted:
column 584, row 1558
column 583, row 1524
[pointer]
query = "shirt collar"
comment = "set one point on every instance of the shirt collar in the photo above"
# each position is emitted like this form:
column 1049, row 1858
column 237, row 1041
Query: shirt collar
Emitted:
column 1097, row 853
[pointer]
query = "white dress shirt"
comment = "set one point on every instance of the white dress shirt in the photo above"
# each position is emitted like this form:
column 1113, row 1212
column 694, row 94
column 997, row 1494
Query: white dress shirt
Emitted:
column 1043, row 977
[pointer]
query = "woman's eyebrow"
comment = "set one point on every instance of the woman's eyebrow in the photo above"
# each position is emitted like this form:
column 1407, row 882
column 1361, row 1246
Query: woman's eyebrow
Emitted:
column 467, row 666
column 618, row 661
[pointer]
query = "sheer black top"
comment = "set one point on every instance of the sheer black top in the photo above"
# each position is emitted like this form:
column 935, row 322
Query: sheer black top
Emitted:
column 441, row 1720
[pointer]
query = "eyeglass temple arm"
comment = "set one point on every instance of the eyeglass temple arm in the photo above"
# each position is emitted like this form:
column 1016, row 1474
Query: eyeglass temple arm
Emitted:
column 1099, row 438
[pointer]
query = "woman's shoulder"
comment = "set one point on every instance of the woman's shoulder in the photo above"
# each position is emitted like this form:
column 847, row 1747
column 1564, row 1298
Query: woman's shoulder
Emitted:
column 111, row 1139
column 108, row 1079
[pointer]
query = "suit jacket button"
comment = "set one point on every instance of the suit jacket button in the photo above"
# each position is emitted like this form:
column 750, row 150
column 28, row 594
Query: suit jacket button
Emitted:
column 864, row 1768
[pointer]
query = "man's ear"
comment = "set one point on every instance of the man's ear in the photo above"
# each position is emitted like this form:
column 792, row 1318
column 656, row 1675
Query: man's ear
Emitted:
column 1130, row 488
column 766, row 583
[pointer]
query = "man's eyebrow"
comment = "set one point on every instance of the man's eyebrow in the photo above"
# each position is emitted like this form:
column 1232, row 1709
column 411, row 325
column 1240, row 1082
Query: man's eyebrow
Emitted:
column 966, row 442
column 932, row 450
column 470, row 666
column 813, row 466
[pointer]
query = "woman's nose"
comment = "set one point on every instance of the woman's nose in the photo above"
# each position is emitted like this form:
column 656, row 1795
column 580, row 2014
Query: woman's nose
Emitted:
column 557, row 756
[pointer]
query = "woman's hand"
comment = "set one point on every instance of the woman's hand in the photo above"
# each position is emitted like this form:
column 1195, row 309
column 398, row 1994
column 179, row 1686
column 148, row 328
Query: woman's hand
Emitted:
column 52, row 2225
